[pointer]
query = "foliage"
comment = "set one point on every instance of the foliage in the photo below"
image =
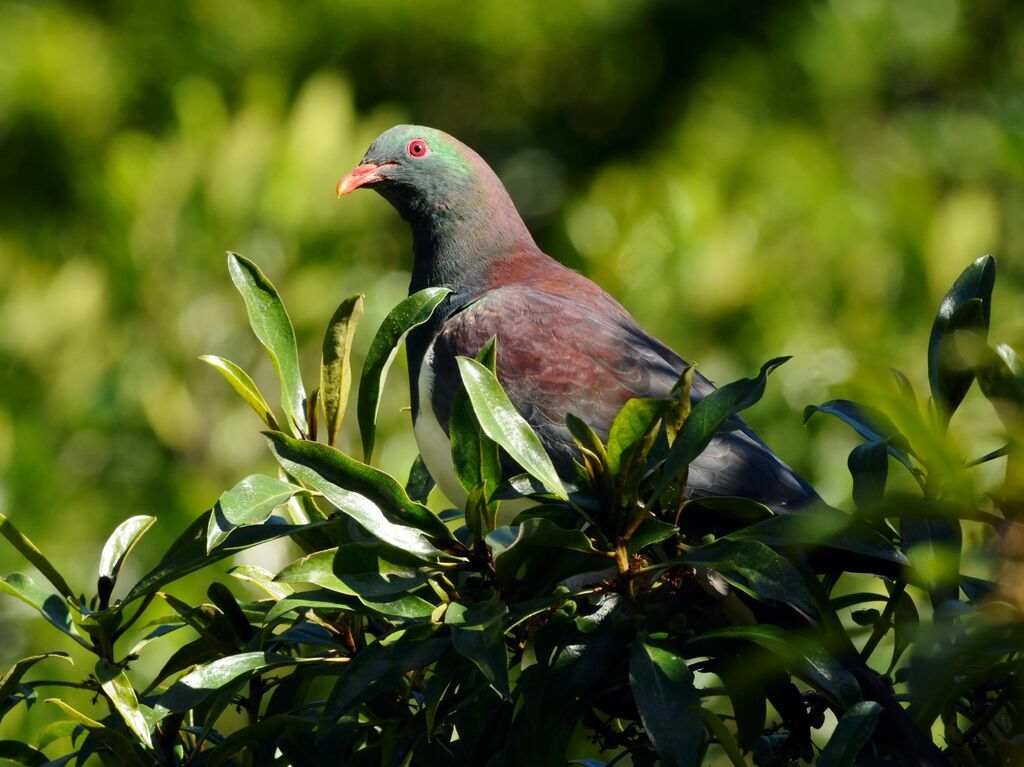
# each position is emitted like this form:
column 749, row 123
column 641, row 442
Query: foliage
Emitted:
column 613, row 617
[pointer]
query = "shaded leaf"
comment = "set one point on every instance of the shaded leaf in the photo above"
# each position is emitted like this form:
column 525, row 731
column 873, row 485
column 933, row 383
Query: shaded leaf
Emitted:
column 1001, row 377
column 669, row 705
column 272, row 326
column 501, row 422
column 120, row 746
column 870, row 423
column 410, row 313
column 538, row 554
column 869, row 467
column 245, row 386
column 851, row 735
column 420, row 483
column 51, row 606
column 478, row 633
column 335, row 363
column 9, row 681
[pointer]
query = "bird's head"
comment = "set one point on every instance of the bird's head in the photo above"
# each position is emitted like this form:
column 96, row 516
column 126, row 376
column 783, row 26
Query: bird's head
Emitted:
column 420, row 170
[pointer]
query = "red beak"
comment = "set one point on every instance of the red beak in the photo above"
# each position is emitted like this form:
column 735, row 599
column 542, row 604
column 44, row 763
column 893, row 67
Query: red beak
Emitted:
column 367, row 173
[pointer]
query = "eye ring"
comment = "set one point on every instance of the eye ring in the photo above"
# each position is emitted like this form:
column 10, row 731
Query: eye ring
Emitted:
column 417, row 148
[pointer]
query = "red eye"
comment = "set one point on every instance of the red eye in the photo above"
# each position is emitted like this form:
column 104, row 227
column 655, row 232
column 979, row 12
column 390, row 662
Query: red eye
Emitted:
column 417, row 148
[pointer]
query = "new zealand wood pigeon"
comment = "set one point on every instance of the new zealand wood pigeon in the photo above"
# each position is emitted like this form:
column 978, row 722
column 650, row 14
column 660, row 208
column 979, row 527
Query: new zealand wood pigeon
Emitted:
column 564, row 344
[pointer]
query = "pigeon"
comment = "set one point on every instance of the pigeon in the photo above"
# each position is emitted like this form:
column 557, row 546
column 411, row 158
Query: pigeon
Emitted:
column 564, row 344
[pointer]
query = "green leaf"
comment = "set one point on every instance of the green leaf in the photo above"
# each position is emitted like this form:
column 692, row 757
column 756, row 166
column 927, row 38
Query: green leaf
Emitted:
column 409, row 607
column 120, row 746
column 1001, row 377
column 869, row 467
column 17, row 754
column 371, row 497
column 246, row 737
column 851, row 735
column 668, row 703
column 501, row 422
column 802, row 656
column 245, row 386
column 870, row 423
column 119, row 690
column 51, row 606
column 409, row 314
column 335, row 364
column 272, row 326
column 754, row 569
column 478, row 633
column 631, row 424
column 9, row 681
column 934, row 546
column 120, row 544
column 420, row 483
column 475, row 456
column 250, row 502
column 363, row 569
column 705, row 419
column 261, row 578
column 538, row 554
column 948, row 374
column 55, row 731
column 28, row 550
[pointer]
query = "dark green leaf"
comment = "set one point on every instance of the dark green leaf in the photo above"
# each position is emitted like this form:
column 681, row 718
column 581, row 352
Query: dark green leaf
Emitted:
column 538, row 554
column 52, row 607
column 250, row 502
column 420, row 483
column 707, row 417
column 335, row 364
column 870, row 423
column 668, row 702
column 121, row 747
column 28, row 550
column 371, row 497
column 934, row 545
column 119, row 690
column 9, row 681
column 272, row 326
column 869, row 467
column 13, row 752
column 851, row 735
column 478, row 633
column 905, row 624
column 1001, row 377
column 948, row 375
column 801, row 655
column 244, row 385
column 264, row 730
column 474, row 454
column 376, row 569
column 410, row 313
column 501, row 422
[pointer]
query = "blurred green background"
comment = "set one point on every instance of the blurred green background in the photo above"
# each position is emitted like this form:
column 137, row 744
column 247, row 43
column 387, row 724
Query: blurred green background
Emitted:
column 750, row 179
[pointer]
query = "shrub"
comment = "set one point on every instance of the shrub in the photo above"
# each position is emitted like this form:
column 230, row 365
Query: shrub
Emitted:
column 612, row 621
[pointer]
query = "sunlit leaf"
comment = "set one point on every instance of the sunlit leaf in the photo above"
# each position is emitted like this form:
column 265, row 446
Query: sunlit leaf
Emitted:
column 250, row 502
column 28, row 550
column 501, row 422
column 121, row 747
column 271, row 324
column 245, row 386
column 54, row 609
column 119, row 690
column 669, row 705
column 335, row 363
column 630, row 425
column 9, row 681
column 410, row 313
column 117, row 548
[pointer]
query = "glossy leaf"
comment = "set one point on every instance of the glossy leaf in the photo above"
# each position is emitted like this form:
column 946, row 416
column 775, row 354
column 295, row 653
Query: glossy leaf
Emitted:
column 707, row 417
column 54, row 609
column 802, row 656
column 9, row 681
column 1001, row 377
column 870, row 423
column 119, row 690
column 420, row 483
column 369, row 496
column 475, row 456
column 335, row 363
column 869, row 466
column 501, row 422
column 410, row 313
column 250, row 502
column 272, row 326
column 261, row 578
column 850, row 735
column 478, row 633
column 120, row 746
column 245, row 386
column 28, row 550
column 669, row 705
column 538, row 554
column 120, row 544
column 948, row 375
column 630, row 425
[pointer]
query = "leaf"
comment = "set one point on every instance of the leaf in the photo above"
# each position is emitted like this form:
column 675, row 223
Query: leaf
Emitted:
column 1001, row 377
column 869, row 467
column 371, row 497
column 668, row 703
column 250, row 502
column 870, row 423
column 9, row 681
column 119, row 690
column 245, row 386
column 420, row 483
column 501, row 422
column 272, row 326
column 120, row 746
column 906, row 388
column 335, row 363
column 28, row 550
column 934, row 547
column 630, row 425
column 705, row 419
column 363, row 569
column 262, row 578
column 754, row 569
column 948, row 376
column 117, row 548
column 478, row 633
column 851, row 735
column 801, row 655
column 475, row 456
column 409, row 314
column 52, row 607
column 538, row 554
column 13, row 752
column 409, row 607
column 268, row 727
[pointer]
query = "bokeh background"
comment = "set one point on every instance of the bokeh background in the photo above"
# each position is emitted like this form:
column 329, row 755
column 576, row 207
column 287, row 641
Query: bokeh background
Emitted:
column 750, row 179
